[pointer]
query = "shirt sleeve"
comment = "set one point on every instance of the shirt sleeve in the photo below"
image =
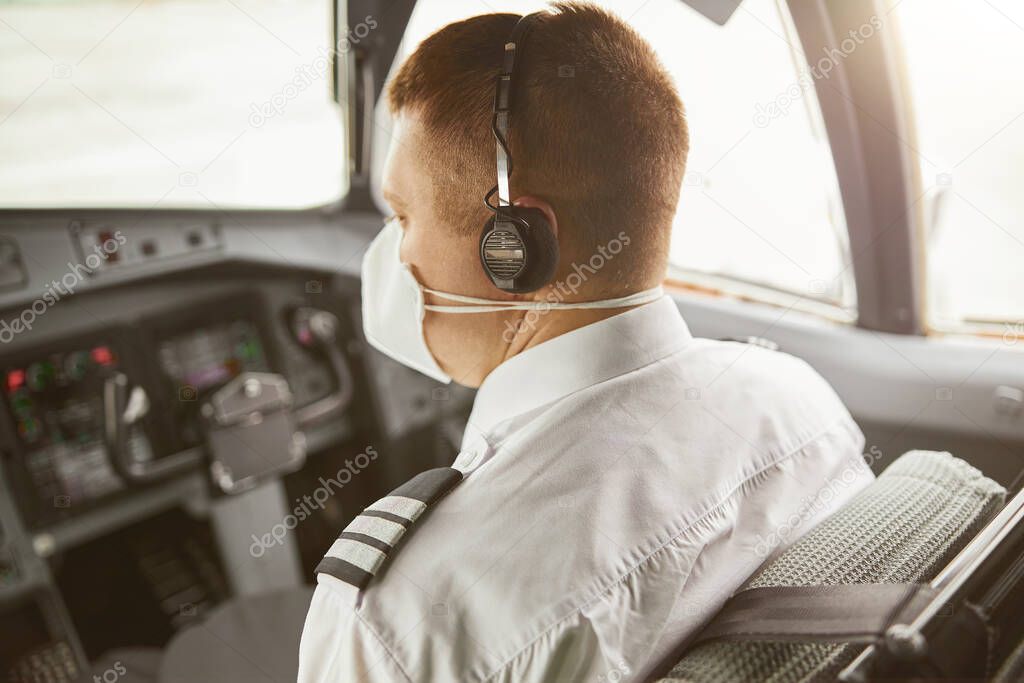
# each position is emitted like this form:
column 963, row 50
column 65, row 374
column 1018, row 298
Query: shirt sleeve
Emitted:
column 338, row 645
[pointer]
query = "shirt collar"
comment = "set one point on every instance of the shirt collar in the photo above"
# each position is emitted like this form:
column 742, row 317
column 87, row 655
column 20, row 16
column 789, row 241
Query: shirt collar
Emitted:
column 577, row 360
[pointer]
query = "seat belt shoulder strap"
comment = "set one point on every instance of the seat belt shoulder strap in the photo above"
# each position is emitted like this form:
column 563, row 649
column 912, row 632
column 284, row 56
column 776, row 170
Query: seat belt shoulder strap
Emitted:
column 836, row 613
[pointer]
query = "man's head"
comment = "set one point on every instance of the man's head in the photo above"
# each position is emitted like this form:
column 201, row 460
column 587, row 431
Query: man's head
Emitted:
column 599, row 140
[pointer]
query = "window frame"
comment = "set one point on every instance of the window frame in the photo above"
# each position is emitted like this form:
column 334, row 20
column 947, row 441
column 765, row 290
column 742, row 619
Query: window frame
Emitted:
column 870, row 131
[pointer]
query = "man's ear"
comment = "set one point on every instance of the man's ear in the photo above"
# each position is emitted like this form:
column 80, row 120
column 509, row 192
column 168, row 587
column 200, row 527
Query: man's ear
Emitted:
column 531, row 202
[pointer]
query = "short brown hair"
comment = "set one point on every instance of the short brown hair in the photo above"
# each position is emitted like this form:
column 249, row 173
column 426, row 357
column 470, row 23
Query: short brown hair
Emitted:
column 598, row 130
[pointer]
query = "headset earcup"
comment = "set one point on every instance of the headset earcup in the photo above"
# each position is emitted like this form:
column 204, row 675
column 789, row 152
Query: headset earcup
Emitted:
column 539, row 244
column 542, row 251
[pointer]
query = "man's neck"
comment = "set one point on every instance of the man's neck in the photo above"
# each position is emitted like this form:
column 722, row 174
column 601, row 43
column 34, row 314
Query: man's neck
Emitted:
column 536, row 327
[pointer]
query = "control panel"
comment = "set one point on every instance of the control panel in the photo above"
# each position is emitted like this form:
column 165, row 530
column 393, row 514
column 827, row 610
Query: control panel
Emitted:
column 55, row 402
column 130, row 419
column 197, row 361
column 104, row 246
column 94, row 418
column 209, row 356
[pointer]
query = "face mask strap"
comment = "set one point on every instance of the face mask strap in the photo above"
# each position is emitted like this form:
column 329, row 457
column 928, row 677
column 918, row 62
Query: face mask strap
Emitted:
column 462, row 299
column 491, row 306
column 470, row 309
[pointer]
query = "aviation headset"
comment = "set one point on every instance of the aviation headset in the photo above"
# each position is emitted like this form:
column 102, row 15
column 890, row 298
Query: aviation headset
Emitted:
column 518, row 248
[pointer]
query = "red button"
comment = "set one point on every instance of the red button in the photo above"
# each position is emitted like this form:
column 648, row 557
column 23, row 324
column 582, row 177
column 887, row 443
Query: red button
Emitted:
column 102, row 355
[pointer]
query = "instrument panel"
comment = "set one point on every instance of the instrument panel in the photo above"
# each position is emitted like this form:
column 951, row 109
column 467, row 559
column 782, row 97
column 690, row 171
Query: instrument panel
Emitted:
column 55, row 403
column 210, row 356
column 44, row 396
column 202, row 358
column 61, row 462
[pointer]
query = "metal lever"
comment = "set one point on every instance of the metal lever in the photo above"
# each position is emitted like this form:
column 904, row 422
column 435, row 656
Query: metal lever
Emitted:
column 322, row 330
column 121, row 410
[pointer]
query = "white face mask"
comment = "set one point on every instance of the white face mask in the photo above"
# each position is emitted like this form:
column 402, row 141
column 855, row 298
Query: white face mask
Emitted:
column 394, row 308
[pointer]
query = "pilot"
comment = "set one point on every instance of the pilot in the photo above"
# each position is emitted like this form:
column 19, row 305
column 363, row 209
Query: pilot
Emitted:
column 618, row 477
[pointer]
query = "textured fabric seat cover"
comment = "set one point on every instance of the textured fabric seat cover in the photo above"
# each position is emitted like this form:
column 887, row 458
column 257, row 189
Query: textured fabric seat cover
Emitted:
column 904, row 527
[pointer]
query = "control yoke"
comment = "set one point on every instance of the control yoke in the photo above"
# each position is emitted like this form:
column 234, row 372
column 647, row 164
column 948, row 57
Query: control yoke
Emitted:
column 315, row 329
column 251, row 433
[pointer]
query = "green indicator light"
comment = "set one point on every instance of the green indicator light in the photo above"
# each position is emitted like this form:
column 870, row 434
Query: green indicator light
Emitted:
column 40, row 375
column 248, row 350
column 22, row 402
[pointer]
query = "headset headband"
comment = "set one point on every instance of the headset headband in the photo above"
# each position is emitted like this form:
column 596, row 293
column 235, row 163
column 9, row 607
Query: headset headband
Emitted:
column 503, row 104
column 518, row 247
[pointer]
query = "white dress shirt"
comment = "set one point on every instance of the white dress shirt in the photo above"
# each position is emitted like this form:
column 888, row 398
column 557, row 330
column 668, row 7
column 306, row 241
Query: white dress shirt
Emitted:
column 620, row 482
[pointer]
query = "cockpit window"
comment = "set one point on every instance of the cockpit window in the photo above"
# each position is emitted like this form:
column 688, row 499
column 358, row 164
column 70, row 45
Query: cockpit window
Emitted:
column 963, row 70
column 760, row 213
column 179, row 103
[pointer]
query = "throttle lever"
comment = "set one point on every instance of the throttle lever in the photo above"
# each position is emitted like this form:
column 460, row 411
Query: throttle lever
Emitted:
column 122, row 409
column 115, row 430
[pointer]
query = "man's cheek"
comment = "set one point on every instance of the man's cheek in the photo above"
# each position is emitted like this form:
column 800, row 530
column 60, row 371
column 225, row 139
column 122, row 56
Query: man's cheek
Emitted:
column 407, row 250
column 429, row 255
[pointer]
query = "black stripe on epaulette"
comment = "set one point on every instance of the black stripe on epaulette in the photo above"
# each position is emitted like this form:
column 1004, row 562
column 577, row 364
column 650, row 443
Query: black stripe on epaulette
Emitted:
column 431, row 485
column 345, row 571
column 388, row 516
column 368, row 540
column 427, row 487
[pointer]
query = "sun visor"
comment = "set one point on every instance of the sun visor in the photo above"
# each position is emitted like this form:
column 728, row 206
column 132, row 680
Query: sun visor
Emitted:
column 718, row 11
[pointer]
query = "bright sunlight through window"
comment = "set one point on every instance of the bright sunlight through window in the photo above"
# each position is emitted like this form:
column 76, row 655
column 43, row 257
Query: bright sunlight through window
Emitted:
column 968, row 100
column 180, row 103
